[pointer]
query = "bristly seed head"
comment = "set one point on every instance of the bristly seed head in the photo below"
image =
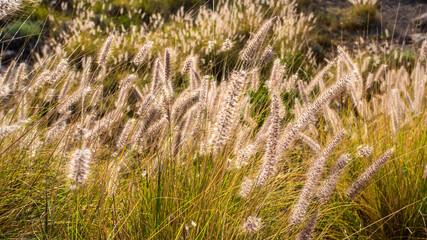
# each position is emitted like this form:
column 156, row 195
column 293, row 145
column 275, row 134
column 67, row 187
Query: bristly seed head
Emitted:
column 363, row 151
column 60, row 70
column 9, row 6
column 252, row 46
column 79, row 166
column 188, row 64
column 252, row 225
column 105, row 50
column 368, row 174
column 143, row 53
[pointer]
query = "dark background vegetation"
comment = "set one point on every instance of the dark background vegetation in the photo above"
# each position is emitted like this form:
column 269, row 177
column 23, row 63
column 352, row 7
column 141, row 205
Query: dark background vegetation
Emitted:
column 338, row 22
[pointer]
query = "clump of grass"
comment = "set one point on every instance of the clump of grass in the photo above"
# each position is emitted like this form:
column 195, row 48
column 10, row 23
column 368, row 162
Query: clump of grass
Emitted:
column 361, row 16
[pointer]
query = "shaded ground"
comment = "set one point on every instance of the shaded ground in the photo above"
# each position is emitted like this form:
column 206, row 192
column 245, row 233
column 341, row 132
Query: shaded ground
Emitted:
column 399, row 15
column 396, row 21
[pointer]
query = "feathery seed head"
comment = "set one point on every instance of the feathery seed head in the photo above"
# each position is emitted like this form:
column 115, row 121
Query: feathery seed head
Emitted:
column 252, row 46
column 366, row 176
column 363, row 151
column 319, row 76
column 252, row 225
column 102, row 59
column 9, row 6
column 4, row 92
column 64, row 106
column 157, row 76
column 227, row 45
column 79, row 166
column 246, row 187
column 87, row 62
column 334, row 143
column 167, row 60
column 270, row 160
column 149, row 99
column 42, row 79
column 96, row 97
column 188, row 64
column 303, row 93
column 226, row 116
column 328, row 186
column 313, row 175
column 291, row 82
column 315, row 147
column 125, row 137
column 276, row 76
column 266, row 55
column 310, row 112
column 129, row 80
column 143, row 53
column 211, row 45
column 243, row 156
column 59, row 71
column 4, row 131
column 308, row 230
column 65, row 87
column 423, row 51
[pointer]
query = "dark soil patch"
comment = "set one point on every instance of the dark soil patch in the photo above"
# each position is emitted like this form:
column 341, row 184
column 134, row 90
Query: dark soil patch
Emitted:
column 337, row 24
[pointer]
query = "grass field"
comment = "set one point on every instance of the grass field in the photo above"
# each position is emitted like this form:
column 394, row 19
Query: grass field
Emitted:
column 217, row 120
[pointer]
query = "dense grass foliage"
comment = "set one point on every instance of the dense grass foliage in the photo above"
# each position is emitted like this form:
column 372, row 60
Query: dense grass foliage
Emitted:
column 215, row 122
